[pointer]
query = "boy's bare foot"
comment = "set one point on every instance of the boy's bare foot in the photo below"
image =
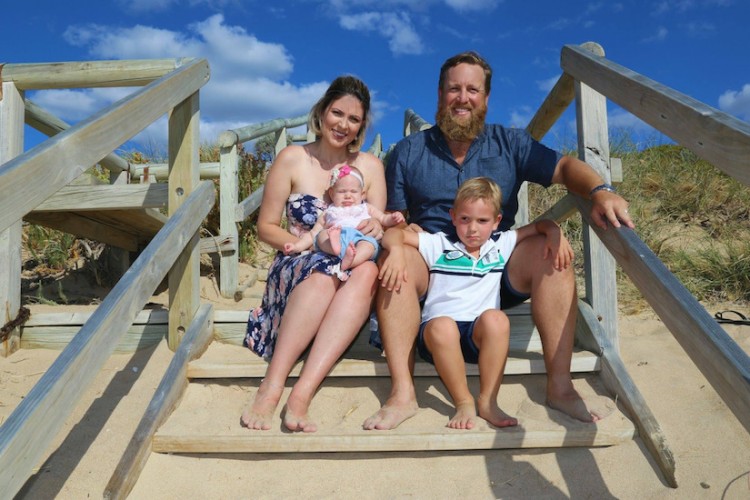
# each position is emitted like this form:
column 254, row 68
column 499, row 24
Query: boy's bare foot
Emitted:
column 465, row 417
column 349, row 255
column 492, row 413
column 259, row 414
column 334, row 237
column 573, row 405
column 295, row 416
column 391, row 415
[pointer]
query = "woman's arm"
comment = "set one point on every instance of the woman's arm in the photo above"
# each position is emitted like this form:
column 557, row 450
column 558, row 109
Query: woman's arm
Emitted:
column 277, row 189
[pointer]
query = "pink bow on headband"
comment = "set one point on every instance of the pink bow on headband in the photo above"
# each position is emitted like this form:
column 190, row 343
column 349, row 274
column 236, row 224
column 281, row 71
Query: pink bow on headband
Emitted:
column 338, row 173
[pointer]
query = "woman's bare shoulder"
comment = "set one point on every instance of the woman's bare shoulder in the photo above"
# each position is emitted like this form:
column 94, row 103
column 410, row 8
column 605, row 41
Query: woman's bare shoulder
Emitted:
column 368, row 161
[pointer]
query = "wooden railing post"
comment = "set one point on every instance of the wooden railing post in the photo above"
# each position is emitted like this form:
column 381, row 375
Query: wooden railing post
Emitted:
column 228, row 195
column 184, row 169
column 11, row 145
column 593, row 148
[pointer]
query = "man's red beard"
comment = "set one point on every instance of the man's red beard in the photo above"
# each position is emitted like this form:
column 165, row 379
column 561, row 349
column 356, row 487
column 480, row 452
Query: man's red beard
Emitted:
column 461, row 131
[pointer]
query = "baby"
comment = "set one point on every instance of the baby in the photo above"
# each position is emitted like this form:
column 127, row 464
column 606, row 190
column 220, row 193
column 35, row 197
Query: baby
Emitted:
column 336, row 232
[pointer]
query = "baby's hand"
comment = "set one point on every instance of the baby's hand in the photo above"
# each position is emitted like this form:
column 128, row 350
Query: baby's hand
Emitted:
column 397, row 218
column 288, row 248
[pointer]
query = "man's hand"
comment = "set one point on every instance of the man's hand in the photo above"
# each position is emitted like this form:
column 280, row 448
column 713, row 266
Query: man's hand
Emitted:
column 610, row 207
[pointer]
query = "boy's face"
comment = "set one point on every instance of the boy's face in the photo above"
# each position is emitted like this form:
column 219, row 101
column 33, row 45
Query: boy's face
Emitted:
column 475, row 220
column 346, row 192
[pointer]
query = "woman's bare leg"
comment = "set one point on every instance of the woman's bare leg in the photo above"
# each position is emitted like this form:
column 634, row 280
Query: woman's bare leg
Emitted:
column 303, row 314
column 347, row 312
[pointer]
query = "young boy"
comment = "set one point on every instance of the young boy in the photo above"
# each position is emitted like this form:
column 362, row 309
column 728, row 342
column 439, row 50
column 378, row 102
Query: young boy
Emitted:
column 461, row 318
column 336, row 232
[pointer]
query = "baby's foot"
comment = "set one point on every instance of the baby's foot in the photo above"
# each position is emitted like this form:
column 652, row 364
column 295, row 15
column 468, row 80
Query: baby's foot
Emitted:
column 351, row 252
column 492, row 413
column 334, row 236
column 465, row 417
column 259, row 414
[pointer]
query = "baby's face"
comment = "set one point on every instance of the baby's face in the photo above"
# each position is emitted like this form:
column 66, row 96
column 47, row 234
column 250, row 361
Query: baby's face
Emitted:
column 347, row 192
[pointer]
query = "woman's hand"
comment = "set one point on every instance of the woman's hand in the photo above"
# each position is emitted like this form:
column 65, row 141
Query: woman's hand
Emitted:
column 371, row 227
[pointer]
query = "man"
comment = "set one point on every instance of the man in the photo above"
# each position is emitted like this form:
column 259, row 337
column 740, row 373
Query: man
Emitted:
column 423, row 173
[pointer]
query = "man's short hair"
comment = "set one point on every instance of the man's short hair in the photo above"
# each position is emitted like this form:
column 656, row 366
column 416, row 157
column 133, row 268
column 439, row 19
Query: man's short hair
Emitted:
column 469, row 57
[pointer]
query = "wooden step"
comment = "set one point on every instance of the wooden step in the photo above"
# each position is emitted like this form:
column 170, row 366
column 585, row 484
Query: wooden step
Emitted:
column 207, row 421
column 231, row 361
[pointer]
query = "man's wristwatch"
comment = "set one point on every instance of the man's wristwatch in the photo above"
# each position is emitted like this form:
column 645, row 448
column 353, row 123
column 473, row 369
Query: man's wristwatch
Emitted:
column 602, row 187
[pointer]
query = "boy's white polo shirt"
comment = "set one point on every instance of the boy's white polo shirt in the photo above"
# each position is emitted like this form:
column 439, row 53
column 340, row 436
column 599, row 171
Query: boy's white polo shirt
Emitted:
column 461, row 286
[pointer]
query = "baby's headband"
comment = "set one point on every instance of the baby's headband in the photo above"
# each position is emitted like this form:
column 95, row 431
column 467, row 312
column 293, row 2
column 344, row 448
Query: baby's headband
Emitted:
column 338, row 173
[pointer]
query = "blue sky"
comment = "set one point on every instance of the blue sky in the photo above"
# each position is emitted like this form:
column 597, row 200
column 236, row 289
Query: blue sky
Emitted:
column 272, row 59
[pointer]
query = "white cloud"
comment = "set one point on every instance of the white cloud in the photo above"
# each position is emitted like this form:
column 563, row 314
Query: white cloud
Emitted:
column 736, row 103
column 248, row 84
column 397, row 28
column 472, row 5
column 546, row 85
column 141, row 6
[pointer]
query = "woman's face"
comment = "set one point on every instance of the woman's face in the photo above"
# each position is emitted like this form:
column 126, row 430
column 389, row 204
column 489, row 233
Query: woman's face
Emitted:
column 342, row 120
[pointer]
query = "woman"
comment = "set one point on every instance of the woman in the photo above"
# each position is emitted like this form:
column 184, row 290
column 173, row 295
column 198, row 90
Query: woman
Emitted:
column 305, row 302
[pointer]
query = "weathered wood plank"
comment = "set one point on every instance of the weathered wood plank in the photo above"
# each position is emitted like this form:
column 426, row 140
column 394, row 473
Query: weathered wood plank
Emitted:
column 724, row 364
column 28, row 431
column 368, row 441
column 228, row 194
column 84, row 227
column 106, row 197
column 617, row 380
column 11, row 145
column 184, row 164
column 47, row 123
column 86, row 74
column 713, row 135
column 240, row 135
column 253, row 367
column 166, row 398
column 79, row 147
column 208, row 170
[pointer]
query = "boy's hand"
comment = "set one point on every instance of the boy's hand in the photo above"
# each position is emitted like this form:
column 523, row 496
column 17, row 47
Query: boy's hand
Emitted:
column 559, row 249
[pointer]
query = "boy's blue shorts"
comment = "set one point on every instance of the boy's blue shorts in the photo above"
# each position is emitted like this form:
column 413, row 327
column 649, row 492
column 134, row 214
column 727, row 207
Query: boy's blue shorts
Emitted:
column 468, row 348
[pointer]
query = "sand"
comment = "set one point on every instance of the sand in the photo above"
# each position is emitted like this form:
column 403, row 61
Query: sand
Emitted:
column 710, row 447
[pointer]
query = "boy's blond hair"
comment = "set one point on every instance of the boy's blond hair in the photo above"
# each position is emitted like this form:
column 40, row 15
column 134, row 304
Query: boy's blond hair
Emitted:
column 480, row 188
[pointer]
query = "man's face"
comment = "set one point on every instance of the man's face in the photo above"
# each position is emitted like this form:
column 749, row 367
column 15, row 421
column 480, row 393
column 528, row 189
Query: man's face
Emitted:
column 462, row 103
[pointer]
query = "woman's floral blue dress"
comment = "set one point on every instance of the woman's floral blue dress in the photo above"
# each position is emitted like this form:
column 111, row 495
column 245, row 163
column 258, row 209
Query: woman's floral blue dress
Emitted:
column 286, row 271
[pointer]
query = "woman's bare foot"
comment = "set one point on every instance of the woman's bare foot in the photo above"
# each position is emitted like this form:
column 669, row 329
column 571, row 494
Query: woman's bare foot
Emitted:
column 334, row 237
column 465, row 417
column 492, row 413
column 295, row 416
column 349, row 255
column 259, row 414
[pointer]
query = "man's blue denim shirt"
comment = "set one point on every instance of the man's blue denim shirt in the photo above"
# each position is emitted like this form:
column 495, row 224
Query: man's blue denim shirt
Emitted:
column 423, row 177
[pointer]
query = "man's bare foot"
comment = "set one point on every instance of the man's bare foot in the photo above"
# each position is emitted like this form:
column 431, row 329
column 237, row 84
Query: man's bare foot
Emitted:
column 259, row 414
column 391, row 415
column 349, row 255
column 465, row 417
column 492, row 413
column 573, row 405
column 334, row 237
column 295, row 416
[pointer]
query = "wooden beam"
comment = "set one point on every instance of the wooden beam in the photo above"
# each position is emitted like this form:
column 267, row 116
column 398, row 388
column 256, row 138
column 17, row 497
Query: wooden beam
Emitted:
column 249, row 205
column 369, row 441
column 29, row 430
column 106, row 197
column 11, row 145
column 184, row 164
column 715, row 136
column 165, row 400
column 79, row 147
column 618, row 381
column 85, row 227
column 231, row 137
column 86, row 74
column 47, row 123
column 209, row 170
column 229, row 266
column 724, row 364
